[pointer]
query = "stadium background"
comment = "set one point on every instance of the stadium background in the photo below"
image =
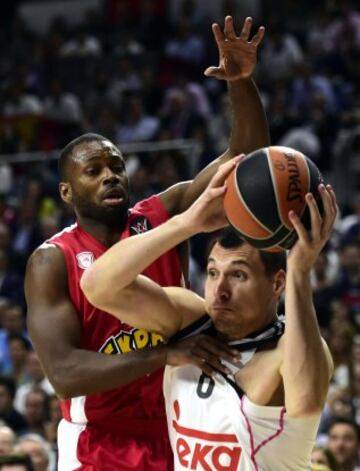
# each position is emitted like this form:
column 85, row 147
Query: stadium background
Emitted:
column 133, row 71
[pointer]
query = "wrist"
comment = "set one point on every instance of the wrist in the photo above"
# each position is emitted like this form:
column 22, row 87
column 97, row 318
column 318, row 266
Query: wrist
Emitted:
column 185, row 225
column 298, row 274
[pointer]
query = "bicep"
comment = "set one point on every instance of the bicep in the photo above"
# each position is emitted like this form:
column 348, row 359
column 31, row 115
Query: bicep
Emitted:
column 52, row 320
column 144, row 304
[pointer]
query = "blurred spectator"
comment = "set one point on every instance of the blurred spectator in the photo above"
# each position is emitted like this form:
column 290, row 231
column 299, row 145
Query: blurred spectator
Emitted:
column 349, row 282
column 62, row 107
column 322, row 455
column 11, row 283
column 6, row 178
column 26, row 234
column 36, row 410
column 19, row 347
column 350, row 225
column 12, row 324
column 81, row 45
column 344, row 443
column 35, row 379
column 178, row 116
column 54, row 418
column 37, row 449
column 185, row 46
column 340, row 342
column 8, row 414
column 281, row 52
column 7, row 440
column 137, row 125
column 15, row 462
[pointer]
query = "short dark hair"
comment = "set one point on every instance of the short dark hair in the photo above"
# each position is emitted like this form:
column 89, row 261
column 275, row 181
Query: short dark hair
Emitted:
column 273, row 261
column 22, row 339
column 9, row 384
column 17, row 459
column 67, row 152
column 345, row 421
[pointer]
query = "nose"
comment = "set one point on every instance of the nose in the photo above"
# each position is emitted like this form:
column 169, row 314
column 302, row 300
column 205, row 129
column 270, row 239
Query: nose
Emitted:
column 110, row 176
column 222, row 289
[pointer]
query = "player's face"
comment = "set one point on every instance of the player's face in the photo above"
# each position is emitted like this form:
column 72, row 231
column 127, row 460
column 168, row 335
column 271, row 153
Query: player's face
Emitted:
column 240, row 297
column 343, row 442
column 99, row 183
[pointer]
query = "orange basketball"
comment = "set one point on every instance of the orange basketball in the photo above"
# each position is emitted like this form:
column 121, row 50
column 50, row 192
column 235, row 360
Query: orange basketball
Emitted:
column 262, row 190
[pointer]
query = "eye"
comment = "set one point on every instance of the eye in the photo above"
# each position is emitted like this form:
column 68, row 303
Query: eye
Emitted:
column 241, row 275
column 118, row 168
column 92, row 171
column 211, row 273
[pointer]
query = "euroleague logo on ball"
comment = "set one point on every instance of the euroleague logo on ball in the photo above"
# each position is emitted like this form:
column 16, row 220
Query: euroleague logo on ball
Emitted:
column 279, row 165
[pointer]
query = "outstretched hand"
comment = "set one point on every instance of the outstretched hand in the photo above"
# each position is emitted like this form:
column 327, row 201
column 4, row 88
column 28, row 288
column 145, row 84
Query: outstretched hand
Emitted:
column 237, row 54
column 207, row 214
column 304, row 253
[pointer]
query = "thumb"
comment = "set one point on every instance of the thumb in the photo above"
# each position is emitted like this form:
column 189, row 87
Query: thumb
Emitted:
column 216, row 72
column 216, row 192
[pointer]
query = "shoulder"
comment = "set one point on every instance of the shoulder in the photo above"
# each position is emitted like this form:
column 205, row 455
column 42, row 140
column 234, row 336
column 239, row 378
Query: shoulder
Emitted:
column 47, row 261
column 45, row 255
column 152, row 208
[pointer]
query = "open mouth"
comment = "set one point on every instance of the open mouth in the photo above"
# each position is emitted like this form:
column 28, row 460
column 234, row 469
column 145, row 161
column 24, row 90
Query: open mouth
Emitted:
column 114, row 197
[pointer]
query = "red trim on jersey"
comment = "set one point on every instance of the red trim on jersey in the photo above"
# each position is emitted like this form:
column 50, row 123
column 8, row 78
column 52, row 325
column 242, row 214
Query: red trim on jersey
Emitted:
column 267, row 440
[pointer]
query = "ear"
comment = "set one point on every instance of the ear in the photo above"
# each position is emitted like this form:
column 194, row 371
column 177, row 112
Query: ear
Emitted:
column 65, row 192
column 279, row 282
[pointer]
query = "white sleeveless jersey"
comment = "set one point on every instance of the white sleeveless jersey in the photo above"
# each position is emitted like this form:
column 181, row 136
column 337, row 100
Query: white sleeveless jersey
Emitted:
column 213, row 427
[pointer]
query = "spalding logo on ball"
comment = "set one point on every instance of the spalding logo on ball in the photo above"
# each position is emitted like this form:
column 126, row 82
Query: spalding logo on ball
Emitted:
column 262, row 190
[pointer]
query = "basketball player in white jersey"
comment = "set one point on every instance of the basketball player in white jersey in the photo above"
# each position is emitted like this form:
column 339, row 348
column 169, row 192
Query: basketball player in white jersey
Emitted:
column 263, row 413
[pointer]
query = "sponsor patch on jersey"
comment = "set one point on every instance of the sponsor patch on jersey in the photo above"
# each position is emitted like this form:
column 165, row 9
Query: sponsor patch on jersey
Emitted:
column 127, row 341
column 139, row 225
column 199, row 449
column 85, row 259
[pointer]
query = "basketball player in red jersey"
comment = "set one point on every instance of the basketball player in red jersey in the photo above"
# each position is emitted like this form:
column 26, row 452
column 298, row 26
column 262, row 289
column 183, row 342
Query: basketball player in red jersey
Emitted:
column 114, row 416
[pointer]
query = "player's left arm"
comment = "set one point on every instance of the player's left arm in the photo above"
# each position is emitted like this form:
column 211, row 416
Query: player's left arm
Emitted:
column 306, row 361
column 237, row 61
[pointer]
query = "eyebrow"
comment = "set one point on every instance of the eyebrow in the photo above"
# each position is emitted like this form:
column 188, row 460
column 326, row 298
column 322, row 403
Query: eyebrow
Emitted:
column 234, row 262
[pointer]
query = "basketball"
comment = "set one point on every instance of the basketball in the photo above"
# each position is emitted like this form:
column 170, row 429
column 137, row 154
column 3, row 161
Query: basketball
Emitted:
column 262, row 190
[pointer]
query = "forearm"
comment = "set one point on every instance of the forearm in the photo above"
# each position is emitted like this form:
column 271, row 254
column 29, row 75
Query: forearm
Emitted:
column 129, row 257
column 250, row 128
column 84, row 372
column 305, row 366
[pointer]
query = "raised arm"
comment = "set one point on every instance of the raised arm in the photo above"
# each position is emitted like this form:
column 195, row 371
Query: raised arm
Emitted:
column 135, row 299
column 306, row 364
column 237, row 60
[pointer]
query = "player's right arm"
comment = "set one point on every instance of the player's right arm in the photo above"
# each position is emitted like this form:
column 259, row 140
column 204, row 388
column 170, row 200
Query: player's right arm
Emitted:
column 55, row 331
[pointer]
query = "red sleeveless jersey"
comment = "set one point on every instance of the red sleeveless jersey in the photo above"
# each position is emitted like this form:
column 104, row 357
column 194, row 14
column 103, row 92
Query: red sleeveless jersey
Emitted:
column 102, row 332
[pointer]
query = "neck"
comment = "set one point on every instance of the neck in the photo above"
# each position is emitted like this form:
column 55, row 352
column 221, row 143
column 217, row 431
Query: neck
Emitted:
column 249, row 331
column 105, row 234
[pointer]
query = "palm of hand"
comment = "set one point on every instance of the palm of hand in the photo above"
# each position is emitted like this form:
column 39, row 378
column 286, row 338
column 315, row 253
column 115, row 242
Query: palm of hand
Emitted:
column 238, row 60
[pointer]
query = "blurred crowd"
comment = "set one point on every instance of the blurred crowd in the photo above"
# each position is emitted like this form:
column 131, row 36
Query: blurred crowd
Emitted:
column 133, row 71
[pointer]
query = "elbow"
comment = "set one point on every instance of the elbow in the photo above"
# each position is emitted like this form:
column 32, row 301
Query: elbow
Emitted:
column 90, row 285
column 65, row 383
